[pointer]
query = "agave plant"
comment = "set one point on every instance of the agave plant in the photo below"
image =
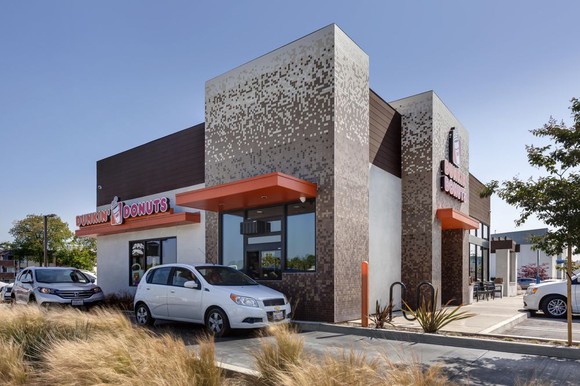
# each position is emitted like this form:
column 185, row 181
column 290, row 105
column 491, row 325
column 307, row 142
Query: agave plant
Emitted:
column 432, row 319
column 382, row 315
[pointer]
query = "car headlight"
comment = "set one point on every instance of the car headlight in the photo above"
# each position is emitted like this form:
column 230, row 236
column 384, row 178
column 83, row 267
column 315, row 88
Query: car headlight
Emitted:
column 45, row 290
column 532, row 290
column 244, row 300
column 96, row 290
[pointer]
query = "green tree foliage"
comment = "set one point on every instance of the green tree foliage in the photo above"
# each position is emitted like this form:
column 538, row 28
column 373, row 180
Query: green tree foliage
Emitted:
column 80, row 253
column 555, row 197
column 28, row 236
column 68, row 249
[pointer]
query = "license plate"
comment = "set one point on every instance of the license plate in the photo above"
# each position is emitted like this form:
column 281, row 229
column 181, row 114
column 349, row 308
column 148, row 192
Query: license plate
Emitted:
column 278, row 315
column 77, row 302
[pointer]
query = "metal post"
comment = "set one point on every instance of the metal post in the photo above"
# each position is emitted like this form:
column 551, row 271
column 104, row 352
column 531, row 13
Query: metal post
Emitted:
column 364, row 307
column 538, row 266
column 45, row 242
column 46, row 216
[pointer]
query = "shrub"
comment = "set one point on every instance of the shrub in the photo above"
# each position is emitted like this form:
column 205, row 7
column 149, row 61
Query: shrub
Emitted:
column 136, row 357
column 33, row 329
column 122, row 301
column 278, row 353
column 13, row 368
column 432, row 319
column 382, row 315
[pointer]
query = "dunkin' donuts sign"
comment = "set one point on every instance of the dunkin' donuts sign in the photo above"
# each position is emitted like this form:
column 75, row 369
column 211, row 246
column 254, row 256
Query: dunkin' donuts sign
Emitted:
column 120, row 211
column 453, row 182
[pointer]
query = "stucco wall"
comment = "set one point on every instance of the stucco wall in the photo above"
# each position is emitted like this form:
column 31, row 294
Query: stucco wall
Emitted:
column 113, row 250
column 384, row 236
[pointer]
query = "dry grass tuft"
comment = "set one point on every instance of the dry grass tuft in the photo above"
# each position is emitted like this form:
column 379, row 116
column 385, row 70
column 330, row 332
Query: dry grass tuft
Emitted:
column 135, row 357
column 33, row 329
column 13, row 368
column 282, row 361
column 278, row 353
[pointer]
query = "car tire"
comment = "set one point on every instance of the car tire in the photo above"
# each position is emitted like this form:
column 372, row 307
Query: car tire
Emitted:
column 216, row 322
column 554, row 306
column 143, row 315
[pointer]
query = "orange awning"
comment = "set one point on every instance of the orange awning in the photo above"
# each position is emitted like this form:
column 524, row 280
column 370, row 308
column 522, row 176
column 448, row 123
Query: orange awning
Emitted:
column 267, row 189
column 454, row 219
column 161, row 220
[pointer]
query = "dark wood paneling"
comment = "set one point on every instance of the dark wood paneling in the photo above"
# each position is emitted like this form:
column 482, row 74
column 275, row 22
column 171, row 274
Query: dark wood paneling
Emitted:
column 168, row 163
column 384, row 135
column 479, row 208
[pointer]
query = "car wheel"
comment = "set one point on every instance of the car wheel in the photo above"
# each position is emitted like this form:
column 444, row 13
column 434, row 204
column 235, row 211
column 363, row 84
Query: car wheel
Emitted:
column 554, row 306
column 216, row 322
column 143, row 315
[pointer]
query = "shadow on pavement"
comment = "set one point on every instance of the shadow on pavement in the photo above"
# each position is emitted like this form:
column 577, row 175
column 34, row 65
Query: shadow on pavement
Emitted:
column 524, row 370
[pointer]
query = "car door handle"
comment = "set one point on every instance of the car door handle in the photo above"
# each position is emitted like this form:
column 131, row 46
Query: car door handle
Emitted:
column 172, row 291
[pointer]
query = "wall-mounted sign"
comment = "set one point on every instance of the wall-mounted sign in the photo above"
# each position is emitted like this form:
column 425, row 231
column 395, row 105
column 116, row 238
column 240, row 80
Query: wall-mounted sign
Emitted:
column 453, row 182
column 121, row 211
column 454, row 147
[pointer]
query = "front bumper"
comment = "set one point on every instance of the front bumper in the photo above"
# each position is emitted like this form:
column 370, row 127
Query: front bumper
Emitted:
column 48, row 299
column 254, row 317
column 531, row 302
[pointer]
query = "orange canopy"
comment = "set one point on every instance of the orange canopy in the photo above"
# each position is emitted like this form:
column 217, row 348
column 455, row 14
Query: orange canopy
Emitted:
column 454, row 219
column 263, row 190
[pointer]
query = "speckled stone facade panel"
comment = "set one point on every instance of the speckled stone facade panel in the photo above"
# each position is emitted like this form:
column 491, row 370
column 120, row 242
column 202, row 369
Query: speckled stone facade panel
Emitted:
column 417, row 185
column 280, row 113
column 455, row 266
column 426, row 123
column 351, row 171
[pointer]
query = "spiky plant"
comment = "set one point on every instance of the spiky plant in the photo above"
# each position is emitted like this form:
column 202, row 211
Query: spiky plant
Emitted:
column 382, row 315
column 432, row 319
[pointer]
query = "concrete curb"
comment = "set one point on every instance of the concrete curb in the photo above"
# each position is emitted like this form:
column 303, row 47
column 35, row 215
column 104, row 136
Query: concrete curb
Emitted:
column 506, row 324
column 443, row 340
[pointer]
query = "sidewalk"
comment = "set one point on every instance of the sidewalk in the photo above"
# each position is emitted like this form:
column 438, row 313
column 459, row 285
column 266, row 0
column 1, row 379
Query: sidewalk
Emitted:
column 491, row 317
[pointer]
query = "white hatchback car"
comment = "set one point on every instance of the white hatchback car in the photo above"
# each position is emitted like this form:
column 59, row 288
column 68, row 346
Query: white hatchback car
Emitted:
column 550, row 297
column 217, row 296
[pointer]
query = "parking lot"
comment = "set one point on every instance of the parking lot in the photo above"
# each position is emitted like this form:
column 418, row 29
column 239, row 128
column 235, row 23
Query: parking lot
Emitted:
column 546, row 328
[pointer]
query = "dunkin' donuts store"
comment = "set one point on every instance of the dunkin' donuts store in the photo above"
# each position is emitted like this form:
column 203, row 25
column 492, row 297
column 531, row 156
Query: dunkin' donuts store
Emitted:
column 300, row 173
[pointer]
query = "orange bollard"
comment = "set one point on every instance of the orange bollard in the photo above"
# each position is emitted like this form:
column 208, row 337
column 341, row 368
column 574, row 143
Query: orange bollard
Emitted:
column 364, row 307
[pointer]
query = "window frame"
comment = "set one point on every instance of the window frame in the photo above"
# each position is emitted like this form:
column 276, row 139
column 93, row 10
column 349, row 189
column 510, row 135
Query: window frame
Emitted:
column 160, row 240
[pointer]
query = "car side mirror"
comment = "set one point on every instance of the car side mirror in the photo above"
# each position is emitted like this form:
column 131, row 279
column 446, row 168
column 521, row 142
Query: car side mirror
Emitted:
column 92, row 281
column 192, row 284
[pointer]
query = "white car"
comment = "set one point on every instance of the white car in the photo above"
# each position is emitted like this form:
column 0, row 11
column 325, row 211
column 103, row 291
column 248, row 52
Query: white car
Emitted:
column 550, row 297
column 216, row 296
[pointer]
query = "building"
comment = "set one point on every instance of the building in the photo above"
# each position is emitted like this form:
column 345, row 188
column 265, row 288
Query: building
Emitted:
column 299, row 173
column 527, row 255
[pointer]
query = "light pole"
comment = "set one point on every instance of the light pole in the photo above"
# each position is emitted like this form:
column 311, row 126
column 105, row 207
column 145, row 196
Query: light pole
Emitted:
column 46, row 216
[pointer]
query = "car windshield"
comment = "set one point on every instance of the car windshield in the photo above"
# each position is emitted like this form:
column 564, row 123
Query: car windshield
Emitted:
column 60, row 276
column 225, row 276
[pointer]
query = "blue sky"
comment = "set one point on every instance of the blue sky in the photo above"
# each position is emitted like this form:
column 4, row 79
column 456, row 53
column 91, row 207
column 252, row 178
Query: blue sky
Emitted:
column 81, row 80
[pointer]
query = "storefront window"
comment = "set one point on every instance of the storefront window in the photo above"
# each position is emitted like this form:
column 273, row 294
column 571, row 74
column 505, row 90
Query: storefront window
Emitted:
column 232, row 240
column 145, row 254
column 472, row 262
column 283, row 238
column 301, row 236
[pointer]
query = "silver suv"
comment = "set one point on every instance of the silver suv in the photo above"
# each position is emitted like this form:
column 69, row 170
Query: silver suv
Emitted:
column 56, row 285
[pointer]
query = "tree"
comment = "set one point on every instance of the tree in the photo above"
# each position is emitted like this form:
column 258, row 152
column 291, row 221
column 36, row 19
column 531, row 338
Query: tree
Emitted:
column 80, row 253
column 555, row 197
column 530, row 270
column 28, row 236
